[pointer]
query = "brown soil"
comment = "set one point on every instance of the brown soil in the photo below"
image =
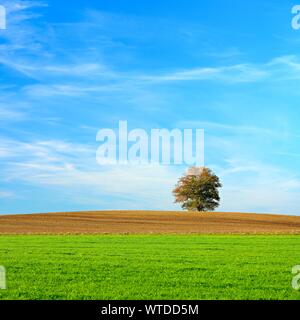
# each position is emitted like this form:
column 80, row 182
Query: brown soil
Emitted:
column 147, row 222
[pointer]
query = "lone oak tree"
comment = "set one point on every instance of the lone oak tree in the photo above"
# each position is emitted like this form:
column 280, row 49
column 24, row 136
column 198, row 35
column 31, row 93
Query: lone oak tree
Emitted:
column 198, row 190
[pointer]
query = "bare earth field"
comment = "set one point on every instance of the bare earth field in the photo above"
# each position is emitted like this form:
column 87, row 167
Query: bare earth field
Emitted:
column 148, row 222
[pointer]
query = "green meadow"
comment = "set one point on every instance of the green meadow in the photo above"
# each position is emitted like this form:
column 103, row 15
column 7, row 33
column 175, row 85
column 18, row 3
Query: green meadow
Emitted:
column 149, row 267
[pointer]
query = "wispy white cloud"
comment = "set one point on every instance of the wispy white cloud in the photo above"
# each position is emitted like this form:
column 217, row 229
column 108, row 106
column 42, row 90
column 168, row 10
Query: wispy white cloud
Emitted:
column 45, row 64
column 11, row 115
column 48, row 72
column 13, row 6
column 259, row 187
column 6, row 194
column 69, row 90
column 231, row 74
column 84, row 74
column 72, row 167
column 238, row 129
column 93, row 78
column 277, row 69
column 20, row 34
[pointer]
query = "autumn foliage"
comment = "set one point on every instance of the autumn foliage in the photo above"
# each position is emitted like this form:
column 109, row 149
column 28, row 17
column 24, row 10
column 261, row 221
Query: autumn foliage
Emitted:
column 198, row 190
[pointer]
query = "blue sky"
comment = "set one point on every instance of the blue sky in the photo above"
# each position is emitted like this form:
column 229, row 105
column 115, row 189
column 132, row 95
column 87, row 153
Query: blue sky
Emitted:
column 68, row 69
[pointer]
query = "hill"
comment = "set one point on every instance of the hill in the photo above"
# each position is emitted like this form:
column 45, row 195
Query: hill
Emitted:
column 148, row 222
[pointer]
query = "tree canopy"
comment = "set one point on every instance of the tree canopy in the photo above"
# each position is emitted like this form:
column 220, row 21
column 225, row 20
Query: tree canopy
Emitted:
column 198, row 190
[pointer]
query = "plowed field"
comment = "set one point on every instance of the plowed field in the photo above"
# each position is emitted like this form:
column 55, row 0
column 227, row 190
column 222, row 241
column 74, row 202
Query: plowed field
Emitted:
column 148, row 222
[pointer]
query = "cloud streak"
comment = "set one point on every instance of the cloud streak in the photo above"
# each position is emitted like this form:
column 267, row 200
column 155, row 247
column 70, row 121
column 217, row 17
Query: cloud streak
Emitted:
column 72, row 167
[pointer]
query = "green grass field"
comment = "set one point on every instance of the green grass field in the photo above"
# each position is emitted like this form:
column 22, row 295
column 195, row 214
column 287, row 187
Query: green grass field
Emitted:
column 149, row 267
